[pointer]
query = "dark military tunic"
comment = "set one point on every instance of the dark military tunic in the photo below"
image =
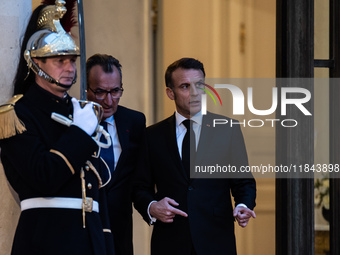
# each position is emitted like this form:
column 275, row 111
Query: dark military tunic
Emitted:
column 46, row 161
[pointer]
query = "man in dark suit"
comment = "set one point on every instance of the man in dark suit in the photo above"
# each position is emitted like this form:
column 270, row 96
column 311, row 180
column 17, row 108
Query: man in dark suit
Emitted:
column 192, row 215
column 127, row 130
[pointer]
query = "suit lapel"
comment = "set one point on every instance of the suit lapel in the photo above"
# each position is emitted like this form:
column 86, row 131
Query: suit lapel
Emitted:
column 206, row 136
column 171, row 141
column 123, row 133
column 206, row 140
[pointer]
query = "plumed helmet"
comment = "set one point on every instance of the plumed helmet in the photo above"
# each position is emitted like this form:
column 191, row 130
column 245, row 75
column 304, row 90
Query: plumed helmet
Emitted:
column 50, row 40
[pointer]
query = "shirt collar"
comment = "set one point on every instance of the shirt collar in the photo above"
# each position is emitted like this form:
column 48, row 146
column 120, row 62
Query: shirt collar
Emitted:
column 109, row 120
column 197, row 118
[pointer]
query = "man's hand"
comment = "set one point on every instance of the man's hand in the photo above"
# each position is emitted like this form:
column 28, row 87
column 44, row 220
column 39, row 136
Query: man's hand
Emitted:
column 84, row 118
column 242, row 215
column 164, row 211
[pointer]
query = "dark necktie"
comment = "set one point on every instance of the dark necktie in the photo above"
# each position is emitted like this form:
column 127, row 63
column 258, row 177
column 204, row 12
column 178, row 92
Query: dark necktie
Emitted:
column 189, row 141
column 107, row 153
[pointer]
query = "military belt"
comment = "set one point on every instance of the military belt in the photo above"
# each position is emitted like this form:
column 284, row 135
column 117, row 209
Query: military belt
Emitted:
column 59, row 202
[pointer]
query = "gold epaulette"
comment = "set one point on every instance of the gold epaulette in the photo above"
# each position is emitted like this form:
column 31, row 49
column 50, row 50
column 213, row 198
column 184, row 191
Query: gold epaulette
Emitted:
column 10, row 124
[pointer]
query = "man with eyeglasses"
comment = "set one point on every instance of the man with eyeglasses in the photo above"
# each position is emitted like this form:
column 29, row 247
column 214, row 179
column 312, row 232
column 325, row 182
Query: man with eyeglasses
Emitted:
column 127, row 130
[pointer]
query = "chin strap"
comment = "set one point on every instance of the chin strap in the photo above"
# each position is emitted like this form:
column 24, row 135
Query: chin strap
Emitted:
column 38, row 71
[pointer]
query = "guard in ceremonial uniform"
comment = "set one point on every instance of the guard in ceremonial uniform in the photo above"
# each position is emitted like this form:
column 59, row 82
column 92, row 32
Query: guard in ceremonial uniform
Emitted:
column 52, row 162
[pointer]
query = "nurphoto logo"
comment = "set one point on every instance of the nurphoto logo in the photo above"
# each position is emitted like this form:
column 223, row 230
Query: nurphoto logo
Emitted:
column 288, row 96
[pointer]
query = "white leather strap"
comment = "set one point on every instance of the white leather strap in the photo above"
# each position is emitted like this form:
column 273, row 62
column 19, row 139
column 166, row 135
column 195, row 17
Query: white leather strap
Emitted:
column 55, row 202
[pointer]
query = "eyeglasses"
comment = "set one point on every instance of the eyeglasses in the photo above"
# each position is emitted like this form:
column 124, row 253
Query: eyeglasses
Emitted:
column 101, row 94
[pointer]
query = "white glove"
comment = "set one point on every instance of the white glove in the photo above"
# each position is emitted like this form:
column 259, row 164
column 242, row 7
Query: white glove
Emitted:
column 84, row 118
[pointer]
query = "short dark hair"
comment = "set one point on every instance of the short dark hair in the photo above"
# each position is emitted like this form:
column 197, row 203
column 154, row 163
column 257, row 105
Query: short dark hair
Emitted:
column 185, row 63
column 106, row 62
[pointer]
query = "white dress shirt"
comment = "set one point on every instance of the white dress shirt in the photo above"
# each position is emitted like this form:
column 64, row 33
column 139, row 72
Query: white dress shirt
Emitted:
column 181, row 129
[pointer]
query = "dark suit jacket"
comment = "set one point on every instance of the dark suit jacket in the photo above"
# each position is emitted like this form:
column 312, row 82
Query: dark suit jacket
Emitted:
column 210, row 224
column 131, row 133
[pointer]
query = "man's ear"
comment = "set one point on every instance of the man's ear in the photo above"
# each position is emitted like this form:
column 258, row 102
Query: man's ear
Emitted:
column 35, row 60
column 170, row 93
